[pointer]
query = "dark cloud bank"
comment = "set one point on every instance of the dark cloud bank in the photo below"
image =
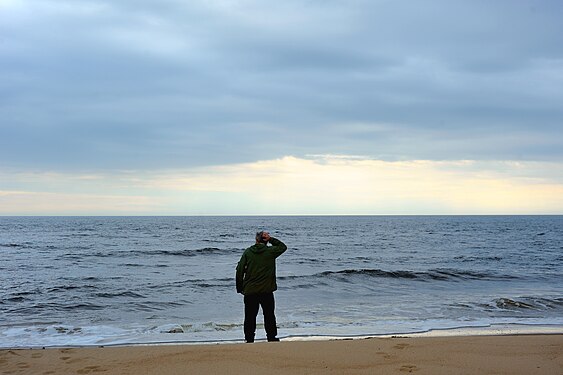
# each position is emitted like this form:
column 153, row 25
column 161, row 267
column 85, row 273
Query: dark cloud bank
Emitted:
column 99, row 85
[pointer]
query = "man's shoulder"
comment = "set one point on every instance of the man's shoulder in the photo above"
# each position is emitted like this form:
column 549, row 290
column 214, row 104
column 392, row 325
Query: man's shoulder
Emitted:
column 248, row 250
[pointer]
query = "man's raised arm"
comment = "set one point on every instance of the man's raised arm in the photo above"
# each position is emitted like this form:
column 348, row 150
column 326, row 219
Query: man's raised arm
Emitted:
column 278, row 247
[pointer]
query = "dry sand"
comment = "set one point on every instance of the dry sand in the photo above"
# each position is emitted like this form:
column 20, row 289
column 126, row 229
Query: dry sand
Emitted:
column 523, row 354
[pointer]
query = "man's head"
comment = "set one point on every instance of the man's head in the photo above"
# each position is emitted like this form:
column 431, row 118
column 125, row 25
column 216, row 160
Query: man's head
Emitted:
column 262, row 237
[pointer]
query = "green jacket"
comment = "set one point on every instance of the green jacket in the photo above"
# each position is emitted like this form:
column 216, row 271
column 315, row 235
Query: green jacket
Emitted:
column 256, row 270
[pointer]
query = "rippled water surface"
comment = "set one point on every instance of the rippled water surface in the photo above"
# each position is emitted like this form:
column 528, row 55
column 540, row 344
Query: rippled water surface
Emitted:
column 101, row 280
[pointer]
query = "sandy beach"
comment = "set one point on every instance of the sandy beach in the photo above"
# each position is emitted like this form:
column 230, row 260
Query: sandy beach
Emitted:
column 519, row 354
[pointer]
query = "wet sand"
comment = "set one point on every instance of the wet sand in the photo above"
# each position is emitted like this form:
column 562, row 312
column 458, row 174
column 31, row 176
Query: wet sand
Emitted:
column 518, row 354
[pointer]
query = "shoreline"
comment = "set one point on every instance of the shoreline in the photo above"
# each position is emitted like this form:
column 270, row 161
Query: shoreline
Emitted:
column 504, row 329
column 499, row 354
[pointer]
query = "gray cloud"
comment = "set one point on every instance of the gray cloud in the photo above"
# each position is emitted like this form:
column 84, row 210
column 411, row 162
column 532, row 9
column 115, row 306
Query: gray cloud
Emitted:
column 142, row 84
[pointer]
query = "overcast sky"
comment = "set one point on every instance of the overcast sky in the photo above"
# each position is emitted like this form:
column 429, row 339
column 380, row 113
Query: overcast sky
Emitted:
column 141, row 101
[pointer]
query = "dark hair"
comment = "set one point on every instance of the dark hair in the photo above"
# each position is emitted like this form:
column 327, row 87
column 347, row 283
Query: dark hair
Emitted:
column 259, row 236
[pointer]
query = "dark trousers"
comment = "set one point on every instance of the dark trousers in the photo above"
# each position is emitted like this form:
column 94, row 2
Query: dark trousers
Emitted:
column 251, row 304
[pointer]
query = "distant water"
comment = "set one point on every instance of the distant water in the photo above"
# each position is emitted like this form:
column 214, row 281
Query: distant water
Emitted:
column 107, row 280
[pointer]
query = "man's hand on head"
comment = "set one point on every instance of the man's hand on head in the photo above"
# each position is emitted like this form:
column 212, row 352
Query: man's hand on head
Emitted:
column 266, row 237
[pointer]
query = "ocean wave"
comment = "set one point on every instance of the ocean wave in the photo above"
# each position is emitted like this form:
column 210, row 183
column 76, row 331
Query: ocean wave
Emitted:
column 201, row 327
column 151, row 253
column 526, row 303
column 507, row 303
column 156, row 306
column 201, row 283
column 11, row 245
column 17, row 297
column 436, row 274
column 94, row 278
column 514, row 304
column 194, row 252
column 372, row 273
column 181, row 252
column 65, row 288
column 447, row 274
column 120, row 294
column 54, row 306
column 14, row 299
column 465, row 258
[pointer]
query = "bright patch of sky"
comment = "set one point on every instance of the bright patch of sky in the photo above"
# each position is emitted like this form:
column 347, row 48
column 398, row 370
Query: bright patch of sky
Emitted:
column 281, row 107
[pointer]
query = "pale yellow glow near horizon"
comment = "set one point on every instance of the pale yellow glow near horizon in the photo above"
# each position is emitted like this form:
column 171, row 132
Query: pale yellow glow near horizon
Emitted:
column 47, row 203
column 375, row 186
column 317, row 185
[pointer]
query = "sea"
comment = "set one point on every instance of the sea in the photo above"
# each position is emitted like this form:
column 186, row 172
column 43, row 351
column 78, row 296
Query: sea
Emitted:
column 94, row 281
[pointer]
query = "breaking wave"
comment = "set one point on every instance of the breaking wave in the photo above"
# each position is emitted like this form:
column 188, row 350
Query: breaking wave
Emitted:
column 437, row 274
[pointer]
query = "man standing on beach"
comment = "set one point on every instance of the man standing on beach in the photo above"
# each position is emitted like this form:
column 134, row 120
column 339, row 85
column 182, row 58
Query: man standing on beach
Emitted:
column 256, row 280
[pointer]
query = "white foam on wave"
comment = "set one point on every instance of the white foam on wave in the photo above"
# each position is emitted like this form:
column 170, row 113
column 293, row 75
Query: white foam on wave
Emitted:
column 492, row 330
column 58, row 335
column 207, row 333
